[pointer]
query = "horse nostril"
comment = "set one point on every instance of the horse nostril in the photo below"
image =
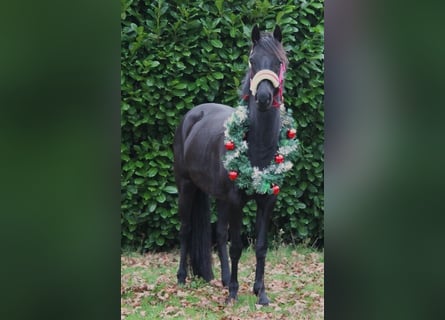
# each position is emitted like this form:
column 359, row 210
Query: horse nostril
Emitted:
column 263, row 98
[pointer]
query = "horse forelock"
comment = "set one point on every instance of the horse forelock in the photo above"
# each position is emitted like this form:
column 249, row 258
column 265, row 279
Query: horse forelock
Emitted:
column 272, row 46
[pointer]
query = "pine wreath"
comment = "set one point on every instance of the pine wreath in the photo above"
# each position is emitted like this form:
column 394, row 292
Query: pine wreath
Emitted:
column 235, row 160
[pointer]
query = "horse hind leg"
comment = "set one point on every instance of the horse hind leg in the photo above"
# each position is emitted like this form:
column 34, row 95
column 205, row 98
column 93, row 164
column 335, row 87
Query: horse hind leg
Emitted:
column 201, row 237
column 195, row 232
column 186, row 191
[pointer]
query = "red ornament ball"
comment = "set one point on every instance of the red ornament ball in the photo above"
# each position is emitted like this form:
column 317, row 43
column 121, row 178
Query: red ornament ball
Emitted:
column 233, row 175
column 291, row 133
column 275, row 189
column 279, row 158
column 229, row 145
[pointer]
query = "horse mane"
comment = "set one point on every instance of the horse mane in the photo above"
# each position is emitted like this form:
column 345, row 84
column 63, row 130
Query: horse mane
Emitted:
column 273, row 47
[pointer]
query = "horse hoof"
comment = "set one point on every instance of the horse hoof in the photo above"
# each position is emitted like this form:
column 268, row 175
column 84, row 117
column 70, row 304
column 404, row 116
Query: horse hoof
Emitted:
column 230, row 301
column 181, row 280
column 263, row 300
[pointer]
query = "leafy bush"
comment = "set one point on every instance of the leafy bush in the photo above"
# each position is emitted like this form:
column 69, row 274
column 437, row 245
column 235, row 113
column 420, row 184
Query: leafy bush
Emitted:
column 177, row 54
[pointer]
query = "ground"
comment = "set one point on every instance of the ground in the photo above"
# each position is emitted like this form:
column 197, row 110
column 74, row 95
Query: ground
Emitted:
column 294, row 282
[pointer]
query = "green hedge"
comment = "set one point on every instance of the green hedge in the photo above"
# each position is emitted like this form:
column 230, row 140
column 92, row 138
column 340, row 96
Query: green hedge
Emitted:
column 177, row 54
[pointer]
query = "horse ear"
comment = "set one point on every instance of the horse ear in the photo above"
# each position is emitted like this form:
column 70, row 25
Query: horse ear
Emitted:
column 277, row 33
column 255, row 34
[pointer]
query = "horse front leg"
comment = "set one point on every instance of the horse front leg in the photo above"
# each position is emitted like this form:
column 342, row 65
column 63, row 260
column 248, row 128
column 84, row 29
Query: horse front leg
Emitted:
column 222, row 234
column 261, row 227
column 236, row 247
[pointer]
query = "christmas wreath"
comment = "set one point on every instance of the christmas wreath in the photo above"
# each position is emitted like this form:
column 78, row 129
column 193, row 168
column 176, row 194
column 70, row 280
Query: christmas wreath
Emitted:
column 235, row 160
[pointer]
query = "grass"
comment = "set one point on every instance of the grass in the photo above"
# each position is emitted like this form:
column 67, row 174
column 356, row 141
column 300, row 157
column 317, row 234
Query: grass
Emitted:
column 293, row 279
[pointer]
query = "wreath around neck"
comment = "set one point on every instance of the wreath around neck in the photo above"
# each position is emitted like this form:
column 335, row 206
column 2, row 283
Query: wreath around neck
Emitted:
column 236, row 162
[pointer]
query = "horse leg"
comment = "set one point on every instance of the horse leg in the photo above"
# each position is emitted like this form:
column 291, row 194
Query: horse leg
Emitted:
column 222, row 234
column 236, row 247
column 186, row 195
column 264, row 211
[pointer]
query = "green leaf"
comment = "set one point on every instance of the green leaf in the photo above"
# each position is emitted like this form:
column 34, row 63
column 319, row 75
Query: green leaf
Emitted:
column 218, row 75
column 302, row 230
column 171, row 189
column 161, row 198
column 219, row 5
column 216, row 43
column 206, row 47
column 132, row 189
column 178, row 93
column 152, row 207
column 160, row 241
column 300, row 205
column 180, row 85
column 152, row 172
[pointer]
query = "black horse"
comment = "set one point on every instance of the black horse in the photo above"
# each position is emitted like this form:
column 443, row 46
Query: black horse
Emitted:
column 199, row 171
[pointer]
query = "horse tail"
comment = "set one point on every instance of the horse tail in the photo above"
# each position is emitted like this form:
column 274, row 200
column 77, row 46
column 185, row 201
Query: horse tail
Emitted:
column 200, row 251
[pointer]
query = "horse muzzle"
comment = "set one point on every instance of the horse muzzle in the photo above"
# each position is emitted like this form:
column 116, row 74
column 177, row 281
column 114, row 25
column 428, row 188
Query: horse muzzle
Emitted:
column 262, row 86
column 264, row 74
column 264, row 96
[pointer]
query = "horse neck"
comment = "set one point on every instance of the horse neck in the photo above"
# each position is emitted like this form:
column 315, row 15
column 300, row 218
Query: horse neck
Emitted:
column 264, row 131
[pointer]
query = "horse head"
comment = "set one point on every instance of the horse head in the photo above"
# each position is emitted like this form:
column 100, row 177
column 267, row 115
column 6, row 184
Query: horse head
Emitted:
column 267, row 64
